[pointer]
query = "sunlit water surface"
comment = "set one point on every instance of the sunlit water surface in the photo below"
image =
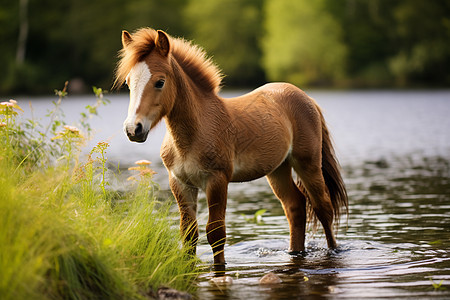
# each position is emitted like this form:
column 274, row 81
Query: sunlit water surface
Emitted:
column 394, row 147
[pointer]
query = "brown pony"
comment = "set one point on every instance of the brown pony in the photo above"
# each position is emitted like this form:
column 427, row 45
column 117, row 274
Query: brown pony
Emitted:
column 212, row 141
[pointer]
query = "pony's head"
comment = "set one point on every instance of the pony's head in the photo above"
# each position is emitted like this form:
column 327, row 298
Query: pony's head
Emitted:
column 155, row 67
column 145, row 67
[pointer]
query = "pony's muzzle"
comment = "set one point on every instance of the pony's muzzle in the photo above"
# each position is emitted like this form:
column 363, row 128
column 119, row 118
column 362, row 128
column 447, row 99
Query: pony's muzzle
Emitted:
column 136, row 133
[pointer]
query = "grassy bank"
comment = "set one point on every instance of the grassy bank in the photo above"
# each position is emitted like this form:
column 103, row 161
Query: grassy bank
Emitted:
column 65, row 234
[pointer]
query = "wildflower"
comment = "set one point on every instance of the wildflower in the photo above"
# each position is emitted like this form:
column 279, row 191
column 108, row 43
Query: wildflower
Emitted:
column 143, row 169
column 3, row 124
column 11, row 104
column 101, row 147
column 7, row 104
column 72, row 129
column 142, row 162
column 69, row 132
column 142, row 174
column 147, row 172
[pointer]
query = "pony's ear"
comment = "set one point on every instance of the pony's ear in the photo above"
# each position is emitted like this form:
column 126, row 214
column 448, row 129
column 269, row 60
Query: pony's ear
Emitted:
column 126, row 38
column 162, row 43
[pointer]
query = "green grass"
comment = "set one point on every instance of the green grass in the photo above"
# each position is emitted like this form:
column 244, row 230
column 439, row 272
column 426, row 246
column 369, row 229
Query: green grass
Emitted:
column 65, row 235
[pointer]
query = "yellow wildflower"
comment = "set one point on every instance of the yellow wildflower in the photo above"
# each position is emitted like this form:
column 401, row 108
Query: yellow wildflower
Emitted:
column 71, row 129
column 142, row 168
column 11, row 104
column 143, row 162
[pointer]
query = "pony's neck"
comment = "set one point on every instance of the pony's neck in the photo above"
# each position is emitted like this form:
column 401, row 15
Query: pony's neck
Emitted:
column 191, row 106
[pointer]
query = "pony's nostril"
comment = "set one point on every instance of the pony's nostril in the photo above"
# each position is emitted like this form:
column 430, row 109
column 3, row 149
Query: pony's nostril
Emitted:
column 138, row 130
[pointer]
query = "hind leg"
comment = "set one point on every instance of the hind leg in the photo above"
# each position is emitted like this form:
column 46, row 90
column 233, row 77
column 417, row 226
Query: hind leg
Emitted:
column 310, row 173
column 294, row 204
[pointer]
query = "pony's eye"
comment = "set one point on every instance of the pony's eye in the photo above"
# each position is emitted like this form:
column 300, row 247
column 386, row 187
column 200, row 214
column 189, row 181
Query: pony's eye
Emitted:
column 160, row 84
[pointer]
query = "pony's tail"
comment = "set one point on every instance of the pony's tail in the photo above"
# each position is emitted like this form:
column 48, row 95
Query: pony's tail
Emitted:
column 332, row 176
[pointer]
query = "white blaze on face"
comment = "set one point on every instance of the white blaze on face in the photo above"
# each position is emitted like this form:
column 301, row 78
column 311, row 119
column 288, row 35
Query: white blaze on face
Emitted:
column 137, row 80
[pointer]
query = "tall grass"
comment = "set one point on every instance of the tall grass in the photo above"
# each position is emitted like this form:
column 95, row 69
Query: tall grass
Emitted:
column 64, row 234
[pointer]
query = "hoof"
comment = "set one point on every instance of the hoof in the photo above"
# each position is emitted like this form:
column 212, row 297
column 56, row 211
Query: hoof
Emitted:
column 297, row 253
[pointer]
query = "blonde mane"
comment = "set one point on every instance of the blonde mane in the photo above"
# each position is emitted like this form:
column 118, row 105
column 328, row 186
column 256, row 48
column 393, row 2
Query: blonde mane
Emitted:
column 190, row 57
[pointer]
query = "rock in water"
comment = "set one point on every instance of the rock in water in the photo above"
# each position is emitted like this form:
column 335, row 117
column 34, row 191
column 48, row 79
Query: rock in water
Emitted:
column 270, row 278
column 222, row 280
column 172, row 294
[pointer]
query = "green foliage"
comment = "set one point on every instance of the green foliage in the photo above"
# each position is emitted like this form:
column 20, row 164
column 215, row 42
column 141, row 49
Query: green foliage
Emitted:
column 92, row 109
column 438, row 286
column 424, row 50
column 166, row 15
column 66, row 236
column 33, row 144
column 436, row 242
column 257, row 217
column 367, row 33
column 325, row 42
column 230, row 32
column 101, row 150
column 303, row 43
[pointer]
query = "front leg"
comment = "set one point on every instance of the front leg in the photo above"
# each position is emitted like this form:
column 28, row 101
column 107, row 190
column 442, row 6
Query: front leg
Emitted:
column 216, row 195
column 186, row 197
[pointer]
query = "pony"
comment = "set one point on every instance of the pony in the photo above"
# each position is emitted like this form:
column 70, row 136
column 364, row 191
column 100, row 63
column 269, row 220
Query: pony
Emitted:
column 211, row 141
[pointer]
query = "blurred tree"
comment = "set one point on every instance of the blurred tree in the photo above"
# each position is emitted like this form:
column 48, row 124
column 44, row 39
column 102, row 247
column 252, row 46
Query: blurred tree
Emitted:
column 402, row 42
column 165, row 15
column 23, row 31
column 9, row 23
column 229, row 30
column 323, row 42
column 303, row 43
column 74, row 39
column 422, row 31
column 66, row 39
column 90, row 36
column 368, row 36
column 9, row 36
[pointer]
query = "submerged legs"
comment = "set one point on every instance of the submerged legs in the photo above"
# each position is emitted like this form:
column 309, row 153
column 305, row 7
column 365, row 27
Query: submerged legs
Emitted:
column 294, row 204
column 216, row 195
column 186, row 197
column 312, row 179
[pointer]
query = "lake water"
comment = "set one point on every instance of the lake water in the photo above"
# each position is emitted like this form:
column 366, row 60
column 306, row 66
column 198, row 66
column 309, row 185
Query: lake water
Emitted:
column 394, row 147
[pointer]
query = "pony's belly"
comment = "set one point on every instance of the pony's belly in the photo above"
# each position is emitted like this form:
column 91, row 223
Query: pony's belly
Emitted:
column 247, row 175
column 257, row 167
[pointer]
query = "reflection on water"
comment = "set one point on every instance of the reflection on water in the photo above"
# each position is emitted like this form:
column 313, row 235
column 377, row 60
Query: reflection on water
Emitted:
column 395, row 151
column 396, row 240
